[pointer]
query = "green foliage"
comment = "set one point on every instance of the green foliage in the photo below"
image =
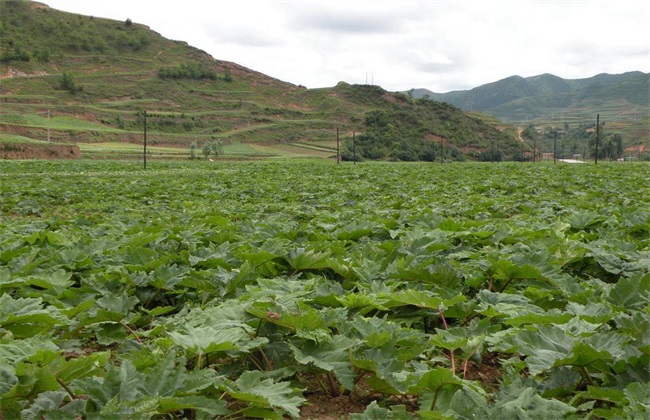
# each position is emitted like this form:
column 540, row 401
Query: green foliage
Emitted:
column 164, row 293
column 579, row 141
column 610, row 146
column 396, row 137
column 29, row 31
column 212, row 148
column 191, row 70
column 69, row 83
column 424, row 130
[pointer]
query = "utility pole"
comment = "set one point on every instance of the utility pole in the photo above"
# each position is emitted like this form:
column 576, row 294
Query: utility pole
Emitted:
column 354, row 149
column 492, row 157
column 145, row 140
column 597, row 136
column 338, row 150
column 48, row 125
column 555, row 147
column 442, row 151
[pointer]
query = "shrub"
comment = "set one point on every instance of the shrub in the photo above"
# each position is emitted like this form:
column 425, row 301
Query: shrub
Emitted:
column 68, row 83
column 191, row 70
column 213, row 148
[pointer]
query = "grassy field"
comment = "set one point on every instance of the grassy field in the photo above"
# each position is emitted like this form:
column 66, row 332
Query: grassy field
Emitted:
column 301, row 288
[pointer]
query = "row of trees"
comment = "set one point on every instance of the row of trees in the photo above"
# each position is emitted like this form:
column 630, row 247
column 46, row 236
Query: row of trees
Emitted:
column 578, row 141
column 385, row 139
column 190, row 70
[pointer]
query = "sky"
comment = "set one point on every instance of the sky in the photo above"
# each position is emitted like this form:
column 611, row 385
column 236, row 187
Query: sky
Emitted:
column 438, row 45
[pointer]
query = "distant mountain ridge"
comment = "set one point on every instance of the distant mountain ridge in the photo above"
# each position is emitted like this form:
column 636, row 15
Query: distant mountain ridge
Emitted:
column 517, row 99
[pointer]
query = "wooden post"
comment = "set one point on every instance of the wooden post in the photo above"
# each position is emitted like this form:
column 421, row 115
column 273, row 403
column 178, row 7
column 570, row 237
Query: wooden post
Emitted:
column 492, row 157
column 534, row 149
column 555, row 147
column 597, row 136
column 338, row 151
column 442, row 151
column 354, row 148
column 145, row 140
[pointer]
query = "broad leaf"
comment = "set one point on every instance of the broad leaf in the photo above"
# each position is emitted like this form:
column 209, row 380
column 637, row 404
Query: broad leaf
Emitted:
column 265, row 393
column 332, row 356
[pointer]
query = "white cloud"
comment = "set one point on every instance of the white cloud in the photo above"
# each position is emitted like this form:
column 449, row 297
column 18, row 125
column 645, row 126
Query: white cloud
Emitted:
column 439, row 45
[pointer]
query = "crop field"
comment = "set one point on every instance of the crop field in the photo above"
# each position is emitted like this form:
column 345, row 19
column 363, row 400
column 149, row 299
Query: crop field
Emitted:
column 306, row 289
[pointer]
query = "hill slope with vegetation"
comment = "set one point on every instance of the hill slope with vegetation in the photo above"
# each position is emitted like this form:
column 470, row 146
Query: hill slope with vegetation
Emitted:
column 622, row 100
column 87, row 80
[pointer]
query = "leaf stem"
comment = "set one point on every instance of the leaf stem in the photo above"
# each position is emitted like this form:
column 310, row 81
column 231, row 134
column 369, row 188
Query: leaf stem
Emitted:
column 255, row 361
column 467, row 361
column 505, row 285
column 435, row 398
column 67, row 389
column 585, row 374
column 442, row 316
column 137, row 338
column 451, row 351
column 334, row 391
column 269, row 365
column 259, row 327
column 320, row 383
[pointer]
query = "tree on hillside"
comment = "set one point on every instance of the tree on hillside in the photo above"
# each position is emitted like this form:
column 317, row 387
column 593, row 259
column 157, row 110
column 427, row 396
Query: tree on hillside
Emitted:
column 68, row 83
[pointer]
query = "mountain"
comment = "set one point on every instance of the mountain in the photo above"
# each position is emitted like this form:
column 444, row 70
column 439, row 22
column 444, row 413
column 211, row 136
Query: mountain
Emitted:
column 87, row 80
column 621, row 99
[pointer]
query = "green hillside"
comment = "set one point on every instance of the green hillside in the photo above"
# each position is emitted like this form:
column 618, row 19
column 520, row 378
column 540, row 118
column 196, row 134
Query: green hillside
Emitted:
column 85, row 79
column 622, row 100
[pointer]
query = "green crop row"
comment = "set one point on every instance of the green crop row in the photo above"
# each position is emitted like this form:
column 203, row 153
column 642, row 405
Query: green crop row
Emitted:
column 239, row 290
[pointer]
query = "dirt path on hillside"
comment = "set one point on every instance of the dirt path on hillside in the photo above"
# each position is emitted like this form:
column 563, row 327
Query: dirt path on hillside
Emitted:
column 519, row 131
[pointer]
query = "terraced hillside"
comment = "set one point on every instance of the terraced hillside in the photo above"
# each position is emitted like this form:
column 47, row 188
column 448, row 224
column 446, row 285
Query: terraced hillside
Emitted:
column 87, row 80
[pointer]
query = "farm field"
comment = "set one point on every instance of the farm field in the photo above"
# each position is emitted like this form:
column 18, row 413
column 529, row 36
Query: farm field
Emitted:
column 306, row 289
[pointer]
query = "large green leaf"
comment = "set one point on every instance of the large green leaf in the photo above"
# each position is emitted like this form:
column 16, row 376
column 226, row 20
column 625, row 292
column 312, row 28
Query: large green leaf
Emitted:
column 528, row 405
column 331, row 356
column 218, row 338
column 424, row 300
column 631, row 293
column 374, row 412
column 26, row 317
column 14, row 351
column 515, row 309
column 209, row 406
column 215, row 329
column 50, row 405
column 251, row 388
column 68, row 370
column 542, row 346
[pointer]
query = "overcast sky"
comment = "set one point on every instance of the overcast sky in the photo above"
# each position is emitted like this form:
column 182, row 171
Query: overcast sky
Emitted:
column 438, row 45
